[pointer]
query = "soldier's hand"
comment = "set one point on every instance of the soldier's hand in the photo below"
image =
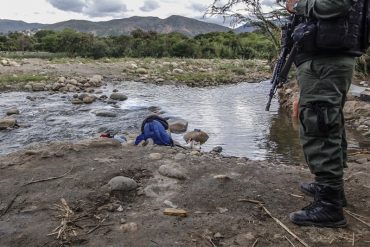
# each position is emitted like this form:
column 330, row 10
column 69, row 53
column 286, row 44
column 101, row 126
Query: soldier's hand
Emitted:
column 290, row 4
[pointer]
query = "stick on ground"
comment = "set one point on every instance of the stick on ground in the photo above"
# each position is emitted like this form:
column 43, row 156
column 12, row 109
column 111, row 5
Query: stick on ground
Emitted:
column 357, row 217
column 48, row 179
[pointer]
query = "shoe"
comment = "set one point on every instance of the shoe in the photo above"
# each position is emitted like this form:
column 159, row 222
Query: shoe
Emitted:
column 325, row 211
column 310, row 190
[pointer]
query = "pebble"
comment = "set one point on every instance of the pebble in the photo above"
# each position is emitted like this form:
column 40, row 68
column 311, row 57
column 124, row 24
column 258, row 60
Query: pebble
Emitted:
column 222, row 210
column 118, row 96
column 121, row 183
column 102, row 113
column 361, row 161
column 175, row 212
column 195, row 153
column 129, row 227
column 155, row 156
column 169, row 204
column 180, row 156
column 217, row 149
column 217, row 235
column 12, row 111
column 172, row 171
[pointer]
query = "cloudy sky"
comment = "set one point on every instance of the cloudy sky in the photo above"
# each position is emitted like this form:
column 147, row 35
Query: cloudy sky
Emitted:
column 51, row 11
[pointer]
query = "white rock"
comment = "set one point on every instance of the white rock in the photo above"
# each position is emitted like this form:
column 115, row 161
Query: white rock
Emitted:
column 129, row 227
column 156, row 156
column 178, row 71
column 180, row 156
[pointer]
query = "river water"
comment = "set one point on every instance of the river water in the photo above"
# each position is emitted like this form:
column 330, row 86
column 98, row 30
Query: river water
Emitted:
column 232, row 115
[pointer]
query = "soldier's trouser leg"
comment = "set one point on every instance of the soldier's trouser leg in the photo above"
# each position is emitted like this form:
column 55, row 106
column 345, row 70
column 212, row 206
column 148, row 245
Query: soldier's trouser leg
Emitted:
column 324, row 84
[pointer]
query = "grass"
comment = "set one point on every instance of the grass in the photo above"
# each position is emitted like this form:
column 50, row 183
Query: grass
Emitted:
column 19, row 81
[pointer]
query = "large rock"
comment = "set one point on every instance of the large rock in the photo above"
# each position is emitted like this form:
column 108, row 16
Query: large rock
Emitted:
column 38, row 87
column 102, row 113
column 7, row 122
column 178, row 126
column 12, row 111
column 118, row 96
column 121, row 183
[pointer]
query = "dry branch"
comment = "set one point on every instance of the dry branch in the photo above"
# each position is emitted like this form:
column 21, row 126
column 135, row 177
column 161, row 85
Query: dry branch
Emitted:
column 357, row 217
column 48, row 179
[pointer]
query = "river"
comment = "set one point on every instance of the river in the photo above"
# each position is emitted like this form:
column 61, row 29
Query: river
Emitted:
column 234, row 116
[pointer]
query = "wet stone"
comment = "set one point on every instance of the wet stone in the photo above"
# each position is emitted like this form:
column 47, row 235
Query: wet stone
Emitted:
column 105, row 114
column 12, row 111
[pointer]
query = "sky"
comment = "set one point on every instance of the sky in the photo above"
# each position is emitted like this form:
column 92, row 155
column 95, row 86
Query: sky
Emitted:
column 52, row 11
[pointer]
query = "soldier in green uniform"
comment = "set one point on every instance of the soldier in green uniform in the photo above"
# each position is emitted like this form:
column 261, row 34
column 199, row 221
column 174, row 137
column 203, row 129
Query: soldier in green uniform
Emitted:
column 324, row 77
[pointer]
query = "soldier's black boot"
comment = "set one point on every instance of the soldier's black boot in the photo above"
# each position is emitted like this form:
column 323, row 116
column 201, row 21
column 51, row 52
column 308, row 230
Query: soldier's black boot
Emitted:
column 310, row 190
column 325, row 211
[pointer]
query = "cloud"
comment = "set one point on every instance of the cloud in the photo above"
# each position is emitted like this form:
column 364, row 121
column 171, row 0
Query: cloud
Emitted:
column 198, row 7
column 91, row 8
column 149, row 5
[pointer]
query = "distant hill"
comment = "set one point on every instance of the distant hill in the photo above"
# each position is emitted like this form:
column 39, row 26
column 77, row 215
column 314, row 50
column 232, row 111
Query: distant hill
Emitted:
column 12, row 26
column 175, row 23
column 245, row 29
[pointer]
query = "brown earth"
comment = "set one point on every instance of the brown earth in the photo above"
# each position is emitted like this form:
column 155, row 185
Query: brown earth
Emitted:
column 216, row 214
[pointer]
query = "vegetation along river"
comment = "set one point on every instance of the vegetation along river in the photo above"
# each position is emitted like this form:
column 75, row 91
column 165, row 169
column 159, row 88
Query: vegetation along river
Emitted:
column 232, row 115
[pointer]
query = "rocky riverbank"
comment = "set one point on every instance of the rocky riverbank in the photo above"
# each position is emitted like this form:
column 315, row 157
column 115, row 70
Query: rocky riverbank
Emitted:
column 101, row 193
column 39, row 74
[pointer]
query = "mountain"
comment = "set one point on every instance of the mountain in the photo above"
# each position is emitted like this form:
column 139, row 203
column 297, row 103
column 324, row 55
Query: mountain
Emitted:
column 175, row 23
column 245, row 29
column 10, row 25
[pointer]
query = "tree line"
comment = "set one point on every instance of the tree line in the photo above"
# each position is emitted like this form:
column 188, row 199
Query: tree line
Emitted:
column 227, row 45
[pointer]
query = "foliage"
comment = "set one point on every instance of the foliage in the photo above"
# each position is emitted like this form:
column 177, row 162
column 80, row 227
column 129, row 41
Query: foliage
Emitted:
column 142, row 44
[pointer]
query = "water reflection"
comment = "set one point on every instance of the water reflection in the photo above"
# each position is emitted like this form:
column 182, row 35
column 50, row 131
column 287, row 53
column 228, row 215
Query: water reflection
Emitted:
column 232, row 115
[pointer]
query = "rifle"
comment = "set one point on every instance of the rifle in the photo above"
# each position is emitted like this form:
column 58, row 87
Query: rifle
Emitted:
column 283, row 65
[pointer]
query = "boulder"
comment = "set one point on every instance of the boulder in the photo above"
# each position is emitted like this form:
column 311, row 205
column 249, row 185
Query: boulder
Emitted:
column 178, row 126
column 121, row 183
column 118, row 96
column 13, row 64
column 12, row 111
column 102, row 113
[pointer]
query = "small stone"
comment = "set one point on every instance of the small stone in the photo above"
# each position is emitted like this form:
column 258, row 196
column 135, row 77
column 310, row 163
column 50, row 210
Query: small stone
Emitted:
column 120, row 209
column 77, row 102
column 178, row 71
column 102, row 113
column 175, row 212
column 172, row 171
column 222, row 210
column 178, row 126
column 121, row 183
column 129, row 227
column 195, row 153
column 222, row 177
column 361, row 161
column 118, row 96
column 38, row 87
column 180, row 156
column 156, row 156
column 115, row 90
column 122, row 221
column 141, row 71
column 217, row 149
column 217, row 235
column 169, row 204
column 88, row 99
column 12, row 111
column 7, row 122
